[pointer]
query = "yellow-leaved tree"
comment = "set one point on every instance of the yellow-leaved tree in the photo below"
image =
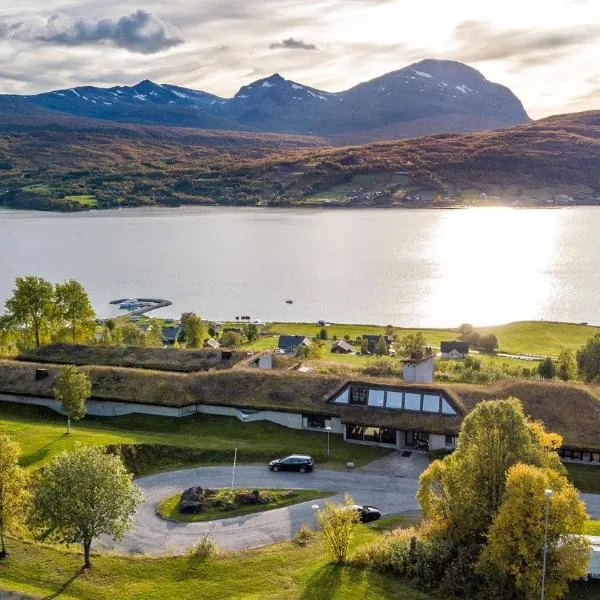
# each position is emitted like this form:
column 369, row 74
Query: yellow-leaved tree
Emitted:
column 512, row 559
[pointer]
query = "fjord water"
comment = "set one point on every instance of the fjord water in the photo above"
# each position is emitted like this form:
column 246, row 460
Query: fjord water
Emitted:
column 406, row 267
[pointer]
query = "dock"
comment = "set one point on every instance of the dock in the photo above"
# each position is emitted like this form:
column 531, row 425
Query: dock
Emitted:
column 148, row 305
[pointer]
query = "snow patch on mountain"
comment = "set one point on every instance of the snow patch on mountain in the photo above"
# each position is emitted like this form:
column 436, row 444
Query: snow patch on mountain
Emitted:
column 423, row 74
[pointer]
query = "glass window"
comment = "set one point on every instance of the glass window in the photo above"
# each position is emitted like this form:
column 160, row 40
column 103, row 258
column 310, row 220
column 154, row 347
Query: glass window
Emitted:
column 431, row 403
column 446, row 408
column 354, row 432
column 358, row 396
column 412, row 401
column 394, row 400
column 388, row 436
column 343, row 397
column 314, row 422
column 376, row 397
column 449, row 440
column 372, row 434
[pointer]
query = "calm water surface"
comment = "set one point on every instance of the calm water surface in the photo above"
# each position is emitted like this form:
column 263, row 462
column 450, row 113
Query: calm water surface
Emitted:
column 406, row 267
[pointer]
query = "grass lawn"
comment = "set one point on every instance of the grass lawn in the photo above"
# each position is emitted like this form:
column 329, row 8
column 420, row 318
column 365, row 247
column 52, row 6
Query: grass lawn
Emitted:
column 41, row 433
column 280, row 572
column 592, row 527
column 585, row 477
column 169, row 508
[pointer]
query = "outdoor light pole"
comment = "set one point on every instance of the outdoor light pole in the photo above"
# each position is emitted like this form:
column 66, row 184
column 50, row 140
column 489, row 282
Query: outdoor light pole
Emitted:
column 548, row 494
column 233, row 471
column 315, row 508
column 328, row 429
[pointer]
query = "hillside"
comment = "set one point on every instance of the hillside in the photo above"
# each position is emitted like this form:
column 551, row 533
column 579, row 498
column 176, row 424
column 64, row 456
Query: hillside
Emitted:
column 432, row 96
column 53, row 164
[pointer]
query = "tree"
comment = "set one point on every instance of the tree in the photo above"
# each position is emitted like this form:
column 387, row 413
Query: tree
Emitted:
column 194, row 330
column 488, row 342
column 466, row 330
column 412, row 344
column 323, row 334
column 231, row 339
column 463, row 492
column 364, row 346
column 32, row 306
column 511, row 558
column 381, row 348
column 130, row 335
column 567, row 365
column 72, row 389
column 81, row 495
column 13, row 488
column 588, row 358
column 250, row 331
column 547, row 369
column 337, row 523
column 74, row 308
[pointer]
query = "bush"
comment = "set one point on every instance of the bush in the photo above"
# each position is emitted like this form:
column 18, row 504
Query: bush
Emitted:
column 381, row 367
column 304, row 535
column 337, row 523
column 207, row 546
column 439, row 453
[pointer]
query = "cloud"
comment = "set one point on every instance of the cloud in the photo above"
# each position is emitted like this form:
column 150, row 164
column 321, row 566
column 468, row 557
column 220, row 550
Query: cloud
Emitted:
column 293, row 44
column 479, row 42
column 140, row 32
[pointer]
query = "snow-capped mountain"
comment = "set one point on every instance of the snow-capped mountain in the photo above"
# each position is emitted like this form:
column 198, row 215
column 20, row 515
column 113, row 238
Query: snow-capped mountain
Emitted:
column 431, row 96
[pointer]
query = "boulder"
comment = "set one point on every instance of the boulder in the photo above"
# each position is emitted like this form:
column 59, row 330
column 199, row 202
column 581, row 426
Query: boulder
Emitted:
column 192, row 500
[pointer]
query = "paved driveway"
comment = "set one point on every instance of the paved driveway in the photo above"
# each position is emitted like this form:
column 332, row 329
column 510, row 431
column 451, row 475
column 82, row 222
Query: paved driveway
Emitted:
column 152, row 535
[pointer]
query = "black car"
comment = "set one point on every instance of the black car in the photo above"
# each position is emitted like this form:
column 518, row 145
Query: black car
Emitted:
column 294, row 462
column 367, row 514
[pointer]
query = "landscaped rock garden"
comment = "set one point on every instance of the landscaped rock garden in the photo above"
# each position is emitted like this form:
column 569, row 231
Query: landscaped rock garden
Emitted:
column 198, row 499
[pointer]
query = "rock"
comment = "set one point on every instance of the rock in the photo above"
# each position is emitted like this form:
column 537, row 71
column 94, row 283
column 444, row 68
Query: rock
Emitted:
column 192, row 500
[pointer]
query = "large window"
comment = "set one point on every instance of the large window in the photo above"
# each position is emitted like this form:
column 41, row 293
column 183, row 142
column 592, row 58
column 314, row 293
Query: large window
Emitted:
column 358, row 396
column 446, row 408
column 314, row 421
column 412, row 401
column 373, row 435
column 431, row 403
column 343, row 397
column 394, row 400
column 376, row 397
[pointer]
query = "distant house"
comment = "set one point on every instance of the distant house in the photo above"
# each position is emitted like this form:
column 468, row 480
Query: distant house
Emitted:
column 170, row 335
column 211, row 343
column 373, row 339
column 342, row 347
column 418, row 369
column 454, row 349
column 289, row 344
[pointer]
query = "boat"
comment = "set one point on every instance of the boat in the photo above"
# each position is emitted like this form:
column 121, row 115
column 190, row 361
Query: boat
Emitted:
column 129, row 304
column 288, row 301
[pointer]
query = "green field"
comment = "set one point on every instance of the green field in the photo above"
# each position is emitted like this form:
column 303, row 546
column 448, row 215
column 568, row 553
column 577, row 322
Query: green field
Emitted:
column 84, row 200
column 169, row 507
column 524, row 337
column 585, row 477
column 592, row 528
column 41, row 433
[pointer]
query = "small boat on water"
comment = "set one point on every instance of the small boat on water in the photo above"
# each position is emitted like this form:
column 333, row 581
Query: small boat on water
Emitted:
column 130, row 304
column 289, row 301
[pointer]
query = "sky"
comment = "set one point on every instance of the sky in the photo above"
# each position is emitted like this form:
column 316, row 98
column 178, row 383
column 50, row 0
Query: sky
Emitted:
column 546, row 51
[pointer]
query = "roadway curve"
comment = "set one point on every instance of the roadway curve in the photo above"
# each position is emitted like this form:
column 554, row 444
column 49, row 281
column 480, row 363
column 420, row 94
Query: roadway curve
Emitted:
column 155, row 536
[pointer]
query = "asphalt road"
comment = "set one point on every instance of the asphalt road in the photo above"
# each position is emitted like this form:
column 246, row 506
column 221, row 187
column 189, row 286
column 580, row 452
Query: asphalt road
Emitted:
column 154, row 536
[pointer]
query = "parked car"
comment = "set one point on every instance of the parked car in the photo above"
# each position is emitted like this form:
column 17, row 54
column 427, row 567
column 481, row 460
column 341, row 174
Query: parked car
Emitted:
column 294, row 462
column 367, row 513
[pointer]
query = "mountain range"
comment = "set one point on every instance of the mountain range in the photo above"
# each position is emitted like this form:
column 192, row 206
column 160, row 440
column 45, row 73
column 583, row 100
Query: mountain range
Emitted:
column 428, row 97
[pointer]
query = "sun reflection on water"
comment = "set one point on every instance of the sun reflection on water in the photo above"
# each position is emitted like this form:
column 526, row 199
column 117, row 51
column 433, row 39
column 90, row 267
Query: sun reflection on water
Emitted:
column 471, row 264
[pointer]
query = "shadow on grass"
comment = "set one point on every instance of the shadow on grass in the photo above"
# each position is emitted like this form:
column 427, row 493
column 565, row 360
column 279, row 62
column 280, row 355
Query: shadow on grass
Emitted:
column 323, row 584
column 65, row 585
column 41, row 452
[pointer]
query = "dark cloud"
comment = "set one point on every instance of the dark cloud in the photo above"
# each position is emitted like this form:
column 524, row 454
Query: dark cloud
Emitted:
column 140, row 32
column 293, row 44
column 480, row 42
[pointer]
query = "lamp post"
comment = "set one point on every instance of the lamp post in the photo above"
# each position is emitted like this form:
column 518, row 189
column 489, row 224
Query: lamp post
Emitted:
column 315, row 508
column 548, row 494
column 328, row 430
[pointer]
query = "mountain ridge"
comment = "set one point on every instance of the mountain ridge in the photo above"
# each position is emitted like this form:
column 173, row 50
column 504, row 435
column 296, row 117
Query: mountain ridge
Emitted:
column 454, row 96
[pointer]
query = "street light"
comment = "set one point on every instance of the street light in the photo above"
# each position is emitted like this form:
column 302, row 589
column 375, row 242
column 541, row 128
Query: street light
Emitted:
column 315, row 508
column 328, row 430
column 548, row 494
